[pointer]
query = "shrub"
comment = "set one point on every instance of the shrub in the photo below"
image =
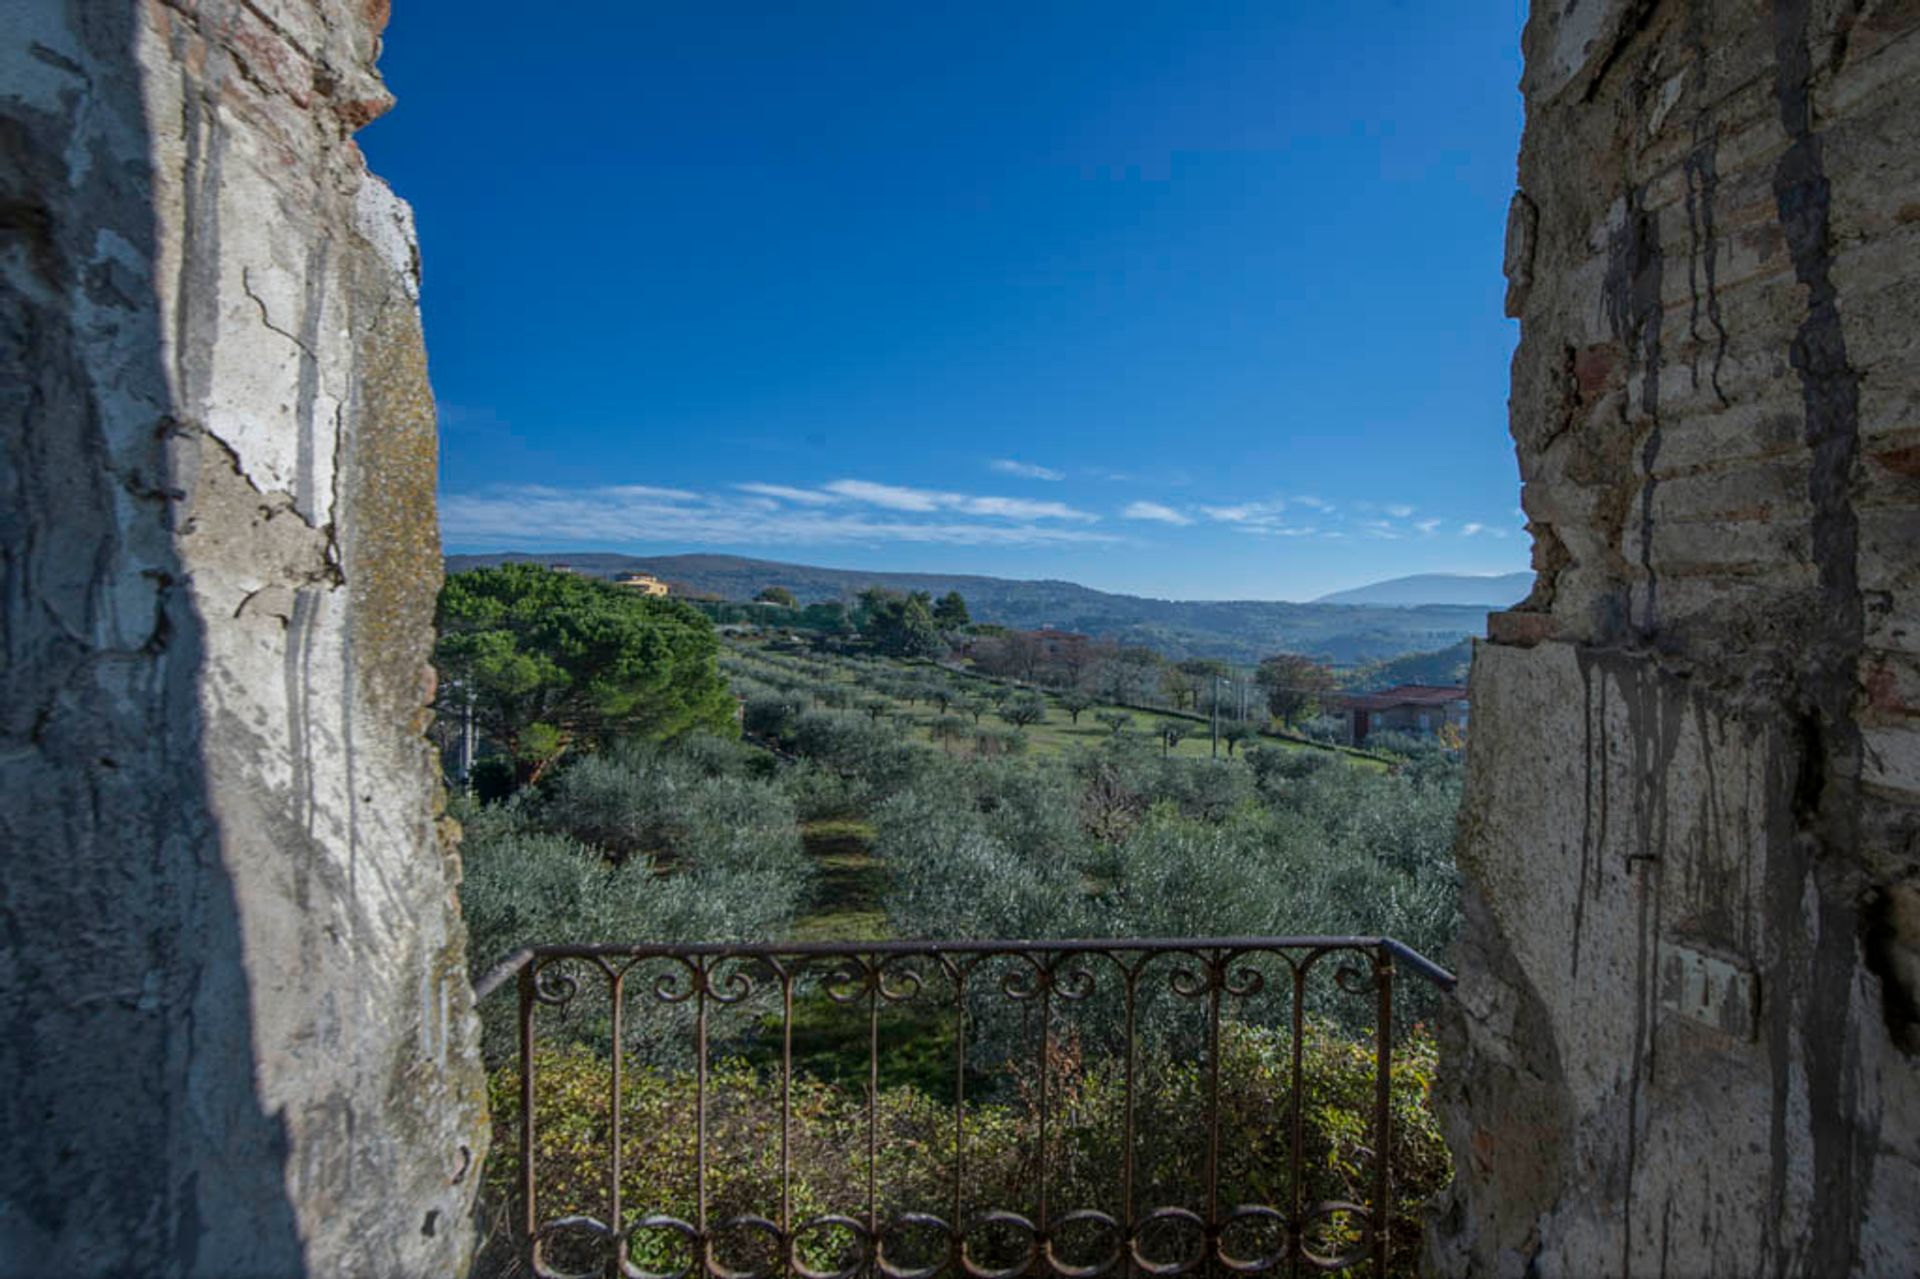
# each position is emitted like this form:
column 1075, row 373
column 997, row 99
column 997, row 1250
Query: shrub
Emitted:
column 956, row 875
column 770, row 715
column 819, row 794
column 1024, row 710
column 1409, row 745
column 949, row 729
column 644, row 847
column 493, row 778
column 990, row 743
column 832, row 1125
column 1323, row 728
column 1275, row 765
column 877, row 756
column 618, row 810
column 718, row 756
column 1074, row 701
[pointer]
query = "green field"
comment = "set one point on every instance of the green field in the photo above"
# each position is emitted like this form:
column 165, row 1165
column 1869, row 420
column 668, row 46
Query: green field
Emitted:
column 850, row 885
column 865, row 679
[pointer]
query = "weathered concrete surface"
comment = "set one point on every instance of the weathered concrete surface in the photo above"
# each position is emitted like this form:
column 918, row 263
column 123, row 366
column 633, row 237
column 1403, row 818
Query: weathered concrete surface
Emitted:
column 1696, row 747
column 235, row 1034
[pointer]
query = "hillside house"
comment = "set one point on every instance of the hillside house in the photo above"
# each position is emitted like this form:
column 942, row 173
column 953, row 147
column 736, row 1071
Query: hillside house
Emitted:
column 1405, row 708
column 645, row 583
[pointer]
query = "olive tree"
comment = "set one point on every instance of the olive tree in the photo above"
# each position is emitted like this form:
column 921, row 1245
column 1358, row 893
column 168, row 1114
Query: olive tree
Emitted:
column 1024, row 711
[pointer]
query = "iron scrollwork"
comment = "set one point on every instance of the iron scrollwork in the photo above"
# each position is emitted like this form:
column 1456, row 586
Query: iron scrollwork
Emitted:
column 971, row 1240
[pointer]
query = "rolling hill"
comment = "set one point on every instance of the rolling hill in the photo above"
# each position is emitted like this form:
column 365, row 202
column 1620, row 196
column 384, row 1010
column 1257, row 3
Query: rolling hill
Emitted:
column 1492, row 590
column 1235, row 630
column 1443, row 666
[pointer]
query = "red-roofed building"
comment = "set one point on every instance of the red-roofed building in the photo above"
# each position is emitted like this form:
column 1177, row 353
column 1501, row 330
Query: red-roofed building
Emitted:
column 1406, row 708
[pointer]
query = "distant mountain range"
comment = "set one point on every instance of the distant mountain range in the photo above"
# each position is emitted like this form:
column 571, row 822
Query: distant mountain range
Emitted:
column 1492, row 590
column 1346, row 634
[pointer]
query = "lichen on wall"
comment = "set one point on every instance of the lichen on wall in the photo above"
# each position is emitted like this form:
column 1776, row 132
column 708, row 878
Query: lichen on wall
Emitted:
column 1688, row 1033
column 239, row 1035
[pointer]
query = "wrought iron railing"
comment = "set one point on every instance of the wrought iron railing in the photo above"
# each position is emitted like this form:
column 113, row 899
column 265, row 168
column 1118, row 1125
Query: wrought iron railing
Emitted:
column 1120, row 1070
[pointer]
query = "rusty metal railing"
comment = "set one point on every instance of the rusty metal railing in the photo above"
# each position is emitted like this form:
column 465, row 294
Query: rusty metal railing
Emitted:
column 1241, row 1197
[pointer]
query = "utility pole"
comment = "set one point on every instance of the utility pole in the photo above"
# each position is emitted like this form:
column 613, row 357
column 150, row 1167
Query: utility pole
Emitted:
column 466, row 744
column 1215, row 708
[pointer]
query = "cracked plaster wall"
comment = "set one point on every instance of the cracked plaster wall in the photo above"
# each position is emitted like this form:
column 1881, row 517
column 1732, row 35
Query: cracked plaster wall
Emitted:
column 1698, row 742
column 237, row 1034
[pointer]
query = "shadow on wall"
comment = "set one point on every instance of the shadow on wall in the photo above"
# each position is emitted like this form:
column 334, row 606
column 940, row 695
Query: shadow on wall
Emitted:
column 136, row 1139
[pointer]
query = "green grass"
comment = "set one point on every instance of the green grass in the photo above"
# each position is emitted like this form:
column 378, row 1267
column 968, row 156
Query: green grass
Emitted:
column 830, row 1040
column 1057, row 732
column 850, row 886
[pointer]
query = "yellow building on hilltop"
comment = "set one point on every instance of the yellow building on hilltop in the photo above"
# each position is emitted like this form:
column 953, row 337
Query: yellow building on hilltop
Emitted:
column 645, row 583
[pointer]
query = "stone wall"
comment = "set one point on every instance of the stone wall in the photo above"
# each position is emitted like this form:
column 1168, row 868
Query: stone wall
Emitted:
column 237, row 1031
column 1688, row 1035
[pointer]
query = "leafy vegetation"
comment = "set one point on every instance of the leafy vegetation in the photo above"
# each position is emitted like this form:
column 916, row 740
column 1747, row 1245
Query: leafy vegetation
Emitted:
column 1294, row 685
column 1445, row 666
column 643, row 843
column 828, row 1135
column 552, row 662
column 951, row 612
column 880, row 795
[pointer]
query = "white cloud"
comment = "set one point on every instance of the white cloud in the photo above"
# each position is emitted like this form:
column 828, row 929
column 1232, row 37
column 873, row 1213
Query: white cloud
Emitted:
column 1469, row 530
column 1255, row 514
column 891, row 496
column 894, row 497
column 1399, row 510
column 1427, row 527
column 1154, row 511
column 1025, row 470
column 1317, row 503
column 643, row 492
column 534, row 516
column 1020, row 508
column 806, row 497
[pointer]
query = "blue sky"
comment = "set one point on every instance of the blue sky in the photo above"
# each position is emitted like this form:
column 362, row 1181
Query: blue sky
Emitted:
column 1197, row 300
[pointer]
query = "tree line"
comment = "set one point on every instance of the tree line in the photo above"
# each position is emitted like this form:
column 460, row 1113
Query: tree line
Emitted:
column 1291, row 687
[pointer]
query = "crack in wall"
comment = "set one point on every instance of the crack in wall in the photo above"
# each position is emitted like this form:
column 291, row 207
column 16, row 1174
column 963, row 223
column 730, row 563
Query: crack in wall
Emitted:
column 266, row 319
column 1703, row 184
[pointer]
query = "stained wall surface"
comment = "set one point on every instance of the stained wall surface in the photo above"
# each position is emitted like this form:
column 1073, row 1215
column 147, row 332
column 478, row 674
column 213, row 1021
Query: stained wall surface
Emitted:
column 1688, row 1034
column 235, row 1030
